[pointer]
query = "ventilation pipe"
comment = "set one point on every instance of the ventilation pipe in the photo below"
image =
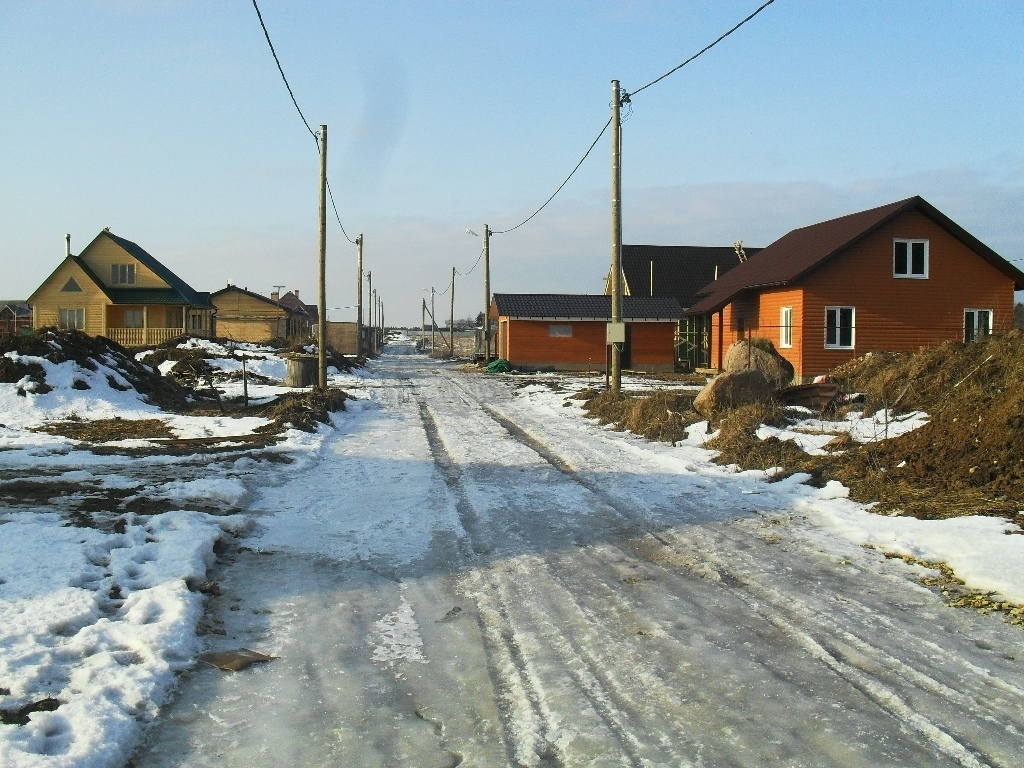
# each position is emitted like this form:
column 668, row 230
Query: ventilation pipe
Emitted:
column 67, row 244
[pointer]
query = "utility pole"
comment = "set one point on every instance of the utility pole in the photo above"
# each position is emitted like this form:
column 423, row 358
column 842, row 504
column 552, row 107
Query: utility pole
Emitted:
column 373, row 324
column 487, row 294
column 423, row 323
column 369, row 295
column 359, row 300
column 321, row 346
column 451, row 322
column 616, row 365
column 433, row 320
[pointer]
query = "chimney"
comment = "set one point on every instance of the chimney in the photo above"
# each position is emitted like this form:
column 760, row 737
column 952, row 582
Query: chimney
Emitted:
column 275, row 296
column 67, row 244
column 296, row 292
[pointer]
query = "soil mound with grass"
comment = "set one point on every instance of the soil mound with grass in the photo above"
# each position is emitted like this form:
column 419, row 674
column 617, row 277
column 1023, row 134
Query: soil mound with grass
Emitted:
column 304, row 410
column 87, row 352
column 968, row 459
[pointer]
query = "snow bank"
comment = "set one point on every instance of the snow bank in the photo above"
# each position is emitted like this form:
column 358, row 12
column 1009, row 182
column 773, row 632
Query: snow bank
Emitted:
column 983, row 551
column 813, row 434
column 99, row 621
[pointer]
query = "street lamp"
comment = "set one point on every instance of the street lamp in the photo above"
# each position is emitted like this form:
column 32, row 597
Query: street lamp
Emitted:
column 487, row 289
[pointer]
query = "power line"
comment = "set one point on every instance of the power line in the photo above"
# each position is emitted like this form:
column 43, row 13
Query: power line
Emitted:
column 705, row 49
column 475, row 264
column 337, row 215
column 594, row 144
column 298, row 109
column 281, row 70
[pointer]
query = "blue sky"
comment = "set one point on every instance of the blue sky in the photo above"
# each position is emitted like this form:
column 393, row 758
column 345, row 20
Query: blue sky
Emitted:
column 168, row 122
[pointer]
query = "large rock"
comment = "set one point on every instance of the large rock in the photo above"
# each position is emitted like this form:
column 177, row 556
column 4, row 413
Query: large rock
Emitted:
column 774, row 366
column 732, row 390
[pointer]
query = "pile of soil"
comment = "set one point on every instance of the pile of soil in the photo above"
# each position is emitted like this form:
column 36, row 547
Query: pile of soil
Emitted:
column 968, row 460
column 87, row 352
column 304, row 410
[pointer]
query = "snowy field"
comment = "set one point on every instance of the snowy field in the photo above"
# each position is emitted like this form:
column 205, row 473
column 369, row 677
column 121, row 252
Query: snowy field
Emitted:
column 463, row 571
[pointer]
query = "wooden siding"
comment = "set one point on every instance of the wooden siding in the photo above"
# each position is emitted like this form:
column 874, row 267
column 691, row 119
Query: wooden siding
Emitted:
column 244, row 317
column 652, row 346
column 102, row 252
column 49, row 299
column 527, row 343
column 769, row 311
column 901, row 314
column 343, row 338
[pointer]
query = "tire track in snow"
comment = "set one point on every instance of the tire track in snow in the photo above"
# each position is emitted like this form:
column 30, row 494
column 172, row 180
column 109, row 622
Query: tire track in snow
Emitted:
column 782, row 616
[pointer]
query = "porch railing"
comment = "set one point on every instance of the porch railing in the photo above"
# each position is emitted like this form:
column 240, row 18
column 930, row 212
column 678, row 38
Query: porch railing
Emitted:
column 142, row 337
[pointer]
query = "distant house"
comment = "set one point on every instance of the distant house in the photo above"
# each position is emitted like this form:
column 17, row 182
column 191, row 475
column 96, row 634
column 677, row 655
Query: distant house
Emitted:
column 15, row 318
column 677, row 272
column 567, row 332
column 243, row 315
column 894, row 278
column 116, row 289
column 291, row 299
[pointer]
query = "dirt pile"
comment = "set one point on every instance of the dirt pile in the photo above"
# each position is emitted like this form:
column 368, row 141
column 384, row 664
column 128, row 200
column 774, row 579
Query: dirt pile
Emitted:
column 304, row 410
column 88, row 352
column 969, row 458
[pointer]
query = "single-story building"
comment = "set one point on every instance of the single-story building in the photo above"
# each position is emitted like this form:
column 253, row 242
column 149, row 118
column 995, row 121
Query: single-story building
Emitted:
column 15, row 318
column 678, row 272
column 114, row 288
column 243, row 315
column 894, row 278
column 567, row 332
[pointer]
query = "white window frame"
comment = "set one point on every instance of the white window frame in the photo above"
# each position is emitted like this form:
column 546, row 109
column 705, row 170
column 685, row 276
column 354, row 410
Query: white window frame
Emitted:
column 786, row 328
column 122, row 274
column 839, row 328
column 975, row 312
column 910, row 274
column 68, row 320
column 560, row 330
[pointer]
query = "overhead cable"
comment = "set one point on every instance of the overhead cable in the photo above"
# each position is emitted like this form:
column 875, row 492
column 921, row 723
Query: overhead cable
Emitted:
column 705, row 49
column 314, row 134
column 475, row 264
column 594, row 144
column 281, row 70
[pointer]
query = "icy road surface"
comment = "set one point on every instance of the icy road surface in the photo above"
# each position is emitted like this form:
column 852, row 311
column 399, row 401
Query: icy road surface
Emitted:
column 474, row 575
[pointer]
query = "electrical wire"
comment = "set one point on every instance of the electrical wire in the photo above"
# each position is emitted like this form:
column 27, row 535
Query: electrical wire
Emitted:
column 475, row 264
column 626, row 96
column 594, row 144
column 314, row 134
column 337, row 215
column 280, row 69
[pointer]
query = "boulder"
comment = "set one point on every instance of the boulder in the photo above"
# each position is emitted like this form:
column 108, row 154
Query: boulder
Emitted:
column 732, row 390
column 762, row 357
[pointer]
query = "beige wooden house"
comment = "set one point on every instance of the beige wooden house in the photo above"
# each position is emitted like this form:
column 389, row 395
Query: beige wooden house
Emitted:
column 114, row 288
column 246, row 316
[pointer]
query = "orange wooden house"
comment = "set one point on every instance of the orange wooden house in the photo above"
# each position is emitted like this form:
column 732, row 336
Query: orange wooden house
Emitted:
column 894, row 278
column 567, row 332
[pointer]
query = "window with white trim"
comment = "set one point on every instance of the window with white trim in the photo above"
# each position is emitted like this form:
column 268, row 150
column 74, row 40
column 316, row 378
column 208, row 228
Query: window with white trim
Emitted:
column 786, row 327
column 72, row 318
column 560, row 330
column 840, row 325
column 977, row 323
column 910, row 258
column 122, row 274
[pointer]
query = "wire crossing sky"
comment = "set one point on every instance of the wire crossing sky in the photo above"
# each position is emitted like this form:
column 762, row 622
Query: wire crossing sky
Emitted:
column 444, row 117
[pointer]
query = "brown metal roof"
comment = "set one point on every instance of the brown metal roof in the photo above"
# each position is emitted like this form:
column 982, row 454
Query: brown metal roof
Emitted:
column 797, row 253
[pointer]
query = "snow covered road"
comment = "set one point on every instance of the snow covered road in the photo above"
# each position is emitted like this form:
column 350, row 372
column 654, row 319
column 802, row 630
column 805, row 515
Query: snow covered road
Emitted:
column 471, row 573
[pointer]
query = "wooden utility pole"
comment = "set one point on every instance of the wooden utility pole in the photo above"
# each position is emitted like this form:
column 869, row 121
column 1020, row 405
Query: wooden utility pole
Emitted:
column 373, row 321
column 433, row 320
column 616, row 364
column 423, row 323
column 487, row 294
column 359, row 298
column 369, row 295
column 451, row 322
column 321, row 344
